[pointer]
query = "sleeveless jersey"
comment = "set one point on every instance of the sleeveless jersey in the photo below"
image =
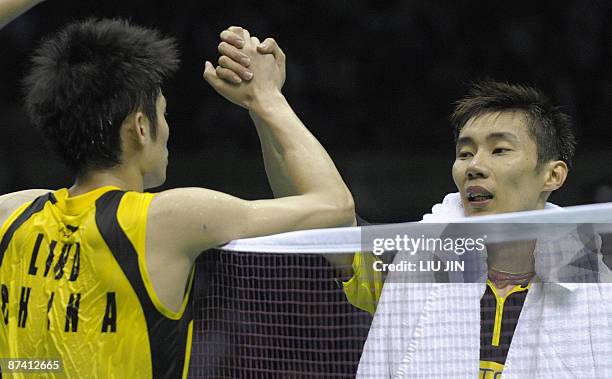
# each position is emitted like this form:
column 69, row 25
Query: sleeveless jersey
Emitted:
column 75, row 287
column 498, row 320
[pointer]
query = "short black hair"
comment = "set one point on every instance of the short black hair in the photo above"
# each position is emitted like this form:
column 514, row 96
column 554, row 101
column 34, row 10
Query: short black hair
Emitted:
column 549, row 126
column 87, row 78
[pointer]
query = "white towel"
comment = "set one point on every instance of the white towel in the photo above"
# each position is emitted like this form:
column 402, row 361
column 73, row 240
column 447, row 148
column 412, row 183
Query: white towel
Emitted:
column 431, row 330
column 451, row 209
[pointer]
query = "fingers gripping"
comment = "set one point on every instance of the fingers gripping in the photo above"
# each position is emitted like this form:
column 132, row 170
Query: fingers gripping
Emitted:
column 234, row 35
column 234, row 53
column 233, row 71
column 269, row 46
column 233, row 60
column 230, row 76
column 210, row 75
column 225, row 88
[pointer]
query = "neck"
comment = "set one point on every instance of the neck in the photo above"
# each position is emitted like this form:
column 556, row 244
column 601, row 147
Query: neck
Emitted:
column 126, row 178
column 512, row 257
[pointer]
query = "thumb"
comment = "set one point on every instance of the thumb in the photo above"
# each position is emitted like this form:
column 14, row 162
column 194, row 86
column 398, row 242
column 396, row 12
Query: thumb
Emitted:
column 270, row 46
column 210, row 75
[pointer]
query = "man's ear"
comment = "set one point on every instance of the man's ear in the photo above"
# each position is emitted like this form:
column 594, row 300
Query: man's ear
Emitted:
column 138, row 127
column 556, row 173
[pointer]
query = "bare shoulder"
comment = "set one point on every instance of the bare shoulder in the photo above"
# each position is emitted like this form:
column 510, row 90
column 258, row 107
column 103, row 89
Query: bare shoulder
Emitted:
column 192, row 219
column 179, row 203
column 10, row 202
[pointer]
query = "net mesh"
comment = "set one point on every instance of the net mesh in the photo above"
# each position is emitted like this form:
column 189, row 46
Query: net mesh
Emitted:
column 285, row 315
column 273, row 315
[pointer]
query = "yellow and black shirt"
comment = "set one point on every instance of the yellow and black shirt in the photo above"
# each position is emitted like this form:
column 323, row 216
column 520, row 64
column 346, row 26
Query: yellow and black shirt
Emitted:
column 499, row 315
column 74, row 286
column 498, row 319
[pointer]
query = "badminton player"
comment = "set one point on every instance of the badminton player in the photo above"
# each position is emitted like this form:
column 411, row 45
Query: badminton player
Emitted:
column 98, row 276
column 513, row 149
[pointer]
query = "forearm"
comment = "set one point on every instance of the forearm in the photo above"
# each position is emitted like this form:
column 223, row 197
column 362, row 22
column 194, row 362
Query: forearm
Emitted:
column 296, row 163
column 11, row 9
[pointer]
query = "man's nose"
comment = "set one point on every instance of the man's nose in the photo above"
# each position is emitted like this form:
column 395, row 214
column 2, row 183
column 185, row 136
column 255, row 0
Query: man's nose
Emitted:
column 477, row 168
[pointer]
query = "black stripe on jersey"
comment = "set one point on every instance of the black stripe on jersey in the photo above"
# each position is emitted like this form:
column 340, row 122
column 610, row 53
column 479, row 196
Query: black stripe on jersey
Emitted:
column 37, row 205
column 167, row 337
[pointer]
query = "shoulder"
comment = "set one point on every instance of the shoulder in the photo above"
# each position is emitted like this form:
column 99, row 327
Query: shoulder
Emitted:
column 133, row 208
column 192, row 220
column 186, row 203
column 136, row 201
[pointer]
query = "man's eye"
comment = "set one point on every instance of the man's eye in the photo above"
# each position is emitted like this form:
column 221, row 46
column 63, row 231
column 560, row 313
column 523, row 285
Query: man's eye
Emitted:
column 464, row 154
column 500, row 150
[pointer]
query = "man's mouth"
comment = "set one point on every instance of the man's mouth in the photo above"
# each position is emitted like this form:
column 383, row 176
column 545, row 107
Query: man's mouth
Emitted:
column 478, row 195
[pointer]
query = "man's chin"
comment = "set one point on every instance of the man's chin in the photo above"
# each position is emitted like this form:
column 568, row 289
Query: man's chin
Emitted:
column 481, row 214
column 479, row 211
column 479, row 208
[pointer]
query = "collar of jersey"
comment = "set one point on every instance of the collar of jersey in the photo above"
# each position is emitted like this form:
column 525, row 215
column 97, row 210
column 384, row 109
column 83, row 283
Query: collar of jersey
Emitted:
column 77, row 204
column 571, row 287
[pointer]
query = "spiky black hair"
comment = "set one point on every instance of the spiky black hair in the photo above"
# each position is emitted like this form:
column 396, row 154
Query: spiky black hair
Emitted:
column 87, row 78
column 549, row 126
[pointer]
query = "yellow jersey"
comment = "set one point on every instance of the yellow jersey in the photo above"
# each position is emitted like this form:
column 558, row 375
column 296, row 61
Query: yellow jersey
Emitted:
column 75, row 287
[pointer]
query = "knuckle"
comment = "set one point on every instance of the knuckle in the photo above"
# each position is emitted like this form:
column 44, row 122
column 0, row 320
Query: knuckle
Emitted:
column 249, row 48
column 232, row 52
column 223, row 74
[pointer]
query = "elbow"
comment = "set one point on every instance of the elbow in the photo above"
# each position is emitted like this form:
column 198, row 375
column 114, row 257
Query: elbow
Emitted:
column 345, row 210
column 331, row 211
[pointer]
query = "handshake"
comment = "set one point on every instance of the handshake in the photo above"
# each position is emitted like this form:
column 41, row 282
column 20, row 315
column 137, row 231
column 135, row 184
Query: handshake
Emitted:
column 249, row 72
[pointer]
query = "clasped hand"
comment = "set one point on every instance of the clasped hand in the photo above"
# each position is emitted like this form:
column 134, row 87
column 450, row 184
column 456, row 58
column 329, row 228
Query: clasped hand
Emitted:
column 248, row 70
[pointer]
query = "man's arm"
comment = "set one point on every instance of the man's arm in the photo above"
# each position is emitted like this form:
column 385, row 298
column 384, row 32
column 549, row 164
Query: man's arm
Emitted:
column 11, row 9
column 313, row 195
column 235, row 69
column 11, row 201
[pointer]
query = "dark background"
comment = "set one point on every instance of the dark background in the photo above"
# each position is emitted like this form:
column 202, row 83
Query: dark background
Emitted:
column 373, row 80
